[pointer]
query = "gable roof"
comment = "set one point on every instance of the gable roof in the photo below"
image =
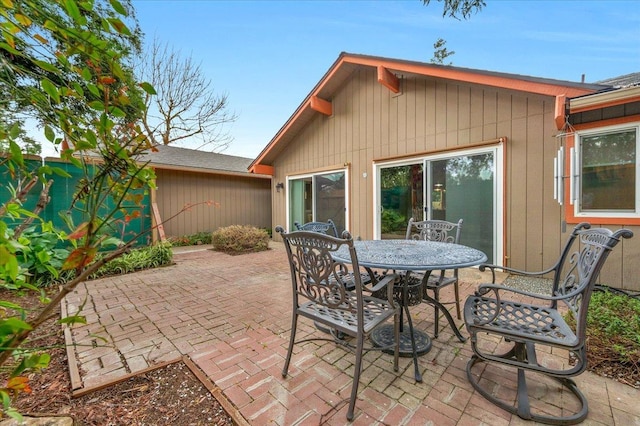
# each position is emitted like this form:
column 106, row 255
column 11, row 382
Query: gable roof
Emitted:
column 171, row 157
column 623, row 81
column 389, row 69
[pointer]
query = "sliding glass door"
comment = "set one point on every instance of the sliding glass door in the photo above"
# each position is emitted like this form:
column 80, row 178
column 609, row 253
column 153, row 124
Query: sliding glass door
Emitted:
column 402, row 197
column 446, row 187
column 318, row 198
column 463, row 188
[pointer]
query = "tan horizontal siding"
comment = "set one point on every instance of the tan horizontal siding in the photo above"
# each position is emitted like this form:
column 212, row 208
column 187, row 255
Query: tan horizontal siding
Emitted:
column 233, row 201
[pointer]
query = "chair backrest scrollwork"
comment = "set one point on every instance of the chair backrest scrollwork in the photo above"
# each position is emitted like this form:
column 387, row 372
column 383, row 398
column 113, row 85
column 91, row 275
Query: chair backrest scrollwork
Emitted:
column 317, row 276
column 328, row 227
column 578, row 267
column 434, row 230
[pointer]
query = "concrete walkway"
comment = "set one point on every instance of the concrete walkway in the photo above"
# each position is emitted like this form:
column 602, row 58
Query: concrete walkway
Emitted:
column 231, row 316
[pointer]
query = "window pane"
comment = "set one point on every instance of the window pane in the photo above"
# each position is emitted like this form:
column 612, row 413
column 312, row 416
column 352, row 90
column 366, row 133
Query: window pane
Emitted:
column 609, row 171
column 329, row 195
column 401, row 195
column 300, row 201
column 462, row 188
column 317, row 199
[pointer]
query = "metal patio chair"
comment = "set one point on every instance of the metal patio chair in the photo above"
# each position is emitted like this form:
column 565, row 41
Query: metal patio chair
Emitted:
column 327, row 228
column 442, row 231
column 318, row 280
column 531, row 321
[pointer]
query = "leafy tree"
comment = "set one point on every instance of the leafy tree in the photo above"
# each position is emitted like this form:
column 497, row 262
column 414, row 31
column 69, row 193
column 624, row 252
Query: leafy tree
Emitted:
column 65, row 64
column 185, row 108
column 27, row 80
column 459, row 8
column 24, row 140
column 440, row 52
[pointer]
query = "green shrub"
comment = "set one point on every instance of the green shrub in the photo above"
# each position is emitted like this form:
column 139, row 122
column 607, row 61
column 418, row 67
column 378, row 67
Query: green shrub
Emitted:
column 198, row 238
column 240, row 239
column 39, row 254
column 392, row 221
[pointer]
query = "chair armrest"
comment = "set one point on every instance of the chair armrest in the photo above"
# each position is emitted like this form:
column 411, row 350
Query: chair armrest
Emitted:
column 513, row 271
column 497, row 289
column 483, row 289
column 387, row 281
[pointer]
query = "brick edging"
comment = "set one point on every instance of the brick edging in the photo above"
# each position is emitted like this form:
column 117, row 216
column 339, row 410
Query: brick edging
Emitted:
column 217, row 393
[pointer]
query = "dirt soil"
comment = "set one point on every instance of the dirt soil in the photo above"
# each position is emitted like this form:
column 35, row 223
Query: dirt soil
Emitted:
column 171, row 395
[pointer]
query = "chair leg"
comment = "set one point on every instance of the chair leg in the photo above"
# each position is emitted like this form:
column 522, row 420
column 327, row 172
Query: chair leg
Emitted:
column 456, row 290
column 416, row 367
column 356, row 376
column 396, row 334
column 522, row 406
column 294, row 324
column 436, row 310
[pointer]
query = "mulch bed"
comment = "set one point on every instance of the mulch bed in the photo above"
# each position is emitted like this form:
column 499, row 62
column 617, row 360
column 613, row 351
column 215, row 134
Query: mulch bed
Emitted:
column 169, row 395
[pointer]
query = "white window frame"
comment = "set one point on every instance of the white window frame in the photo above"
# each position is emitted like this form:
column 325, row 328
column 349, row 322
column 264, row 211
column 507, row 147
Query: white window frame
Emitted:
column 498, row 219
column 311, row 175
column 575, row 197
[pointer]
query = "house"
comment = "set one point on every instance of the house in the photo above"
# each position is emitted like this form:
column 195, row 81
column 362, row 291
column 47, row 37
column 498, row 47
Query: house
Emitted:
column 380, row 140
column 217, row 187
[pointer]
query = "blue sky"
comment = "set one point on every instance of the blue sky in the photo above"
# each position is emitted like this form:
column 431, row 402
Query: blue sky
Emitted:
column 268, row 55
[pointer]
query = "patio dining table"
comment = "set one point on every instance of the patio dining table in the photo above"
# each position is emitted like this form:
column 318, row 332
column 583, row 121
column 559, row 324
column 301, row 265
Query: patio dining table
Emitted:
column 412, row 256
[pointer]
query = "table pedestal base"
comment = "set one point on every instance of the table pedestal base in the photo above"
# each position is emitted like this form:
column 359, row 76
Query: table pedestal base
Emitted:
column 383, row 336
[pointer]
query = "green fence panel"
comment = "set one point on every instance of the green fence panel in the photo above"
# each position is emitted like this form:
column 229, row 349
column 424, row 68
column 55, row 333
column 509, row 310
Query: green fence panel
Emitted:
column 62, row 193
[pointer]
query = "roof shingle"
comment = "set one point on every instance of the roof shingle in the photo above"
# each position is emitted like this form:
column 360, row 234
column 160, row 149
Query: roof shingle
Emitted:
column 620, row 82
column 190, row 158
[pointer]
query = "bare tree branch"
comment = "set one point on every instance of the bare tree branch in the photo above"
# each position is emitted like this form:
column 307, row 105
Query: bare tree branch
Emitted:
column 185, row 108
column 26, row 186
column 43, row 200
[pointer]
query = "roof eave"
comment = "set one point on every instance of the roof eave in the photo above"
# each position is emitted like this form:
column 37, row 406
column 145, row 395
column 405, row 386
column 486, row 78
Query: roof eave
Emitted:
column 207, row 171
column 499, row 80
column 604, row 99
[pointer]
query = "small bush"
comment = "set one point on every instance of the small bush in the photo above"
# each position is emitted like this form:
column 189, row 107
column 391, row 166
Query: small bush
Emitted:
column 393, row 221
column 240, row 239
column 198, row 238
column 38, row 253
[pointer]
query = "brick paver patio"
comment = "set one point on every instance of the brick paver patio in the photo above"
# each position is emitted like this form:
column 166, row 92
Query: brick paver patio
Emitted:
column 231, row 316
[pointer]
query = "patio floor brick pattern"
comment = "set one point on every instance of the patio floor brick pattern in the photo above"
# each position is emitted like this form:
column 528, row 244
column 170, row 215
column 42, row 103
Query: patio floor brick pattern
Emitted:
column 231, row 315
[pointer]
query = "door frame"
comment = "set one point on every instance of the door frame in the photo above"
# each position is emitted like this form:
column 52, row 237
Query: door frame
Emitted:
column 347, row 185
column 498, row 188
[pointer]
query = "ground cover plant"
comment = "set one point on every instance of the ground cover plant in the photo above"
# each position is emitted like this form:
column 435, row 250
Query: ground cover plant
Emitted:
column 613, row 336
column 196, row 239
column 136, row 260
column 44, row 274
